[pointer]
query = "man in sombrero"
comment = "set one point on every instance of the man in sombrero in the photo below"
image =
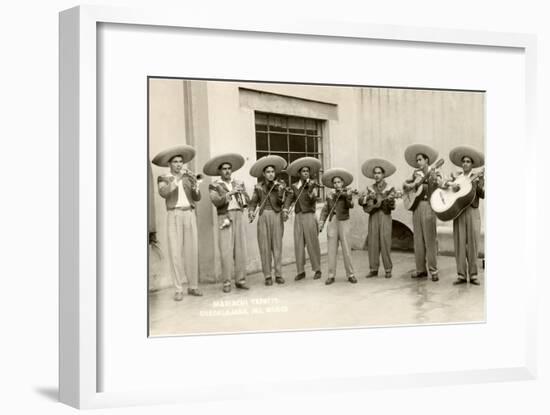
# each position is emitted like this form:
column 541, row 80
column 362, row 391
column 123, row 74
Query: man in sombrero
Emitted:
column 268, row 198
column 336, row 212
column 180, row 190
column 378, row 202
column 467, row 226
column 302, row 198
column 229, row 197
column 420, row 156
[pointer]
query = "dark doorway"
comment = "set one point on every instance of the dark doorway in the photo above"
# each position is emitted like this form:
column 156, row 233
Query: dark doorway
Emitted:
column 401, row 237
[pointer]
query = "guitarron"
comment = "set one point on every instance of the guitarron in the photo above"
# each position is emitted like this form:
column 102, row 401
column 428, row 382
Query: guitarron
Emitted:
column 448, row 204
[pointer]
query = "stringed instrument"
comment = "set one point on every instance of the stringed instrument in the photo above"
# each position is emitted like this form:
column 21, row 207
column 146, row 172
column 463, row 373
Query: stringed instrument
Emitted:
column 390, row 194
column 335, row 196
column 412, row 197
column 276, row 186
column 449, row 203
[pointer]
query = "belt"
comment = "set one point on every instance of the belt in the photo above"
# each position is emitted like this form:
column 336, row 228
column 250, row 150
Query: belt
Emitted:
column 181, row 208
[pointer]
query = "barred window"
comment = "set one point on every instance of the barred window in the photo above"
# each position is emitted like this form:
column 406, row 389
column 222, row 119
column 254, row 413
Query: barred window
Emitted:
column 291, row 138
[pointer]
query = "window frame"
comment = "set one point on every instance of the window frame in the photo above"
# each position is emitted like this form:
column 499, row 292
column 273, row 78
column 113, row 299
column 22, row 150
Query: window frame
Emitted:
column 319, row 129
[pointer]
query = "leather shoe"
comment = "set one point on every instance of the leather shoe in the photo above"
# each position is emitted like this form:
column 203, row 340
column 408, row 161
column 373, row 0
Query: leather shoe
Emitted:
column 242, row 285
column 178, row 296
column 388, row 274
column 317, row 275
column 352, row 279
column 422, row 274
column 194, row 291
column 300, row 276
column 329, row 281
column 372, row 274
column 269, row 281
column 474, row 281
column 279, row 280
column 435, row 278
column 460, row 281
column 226, row 287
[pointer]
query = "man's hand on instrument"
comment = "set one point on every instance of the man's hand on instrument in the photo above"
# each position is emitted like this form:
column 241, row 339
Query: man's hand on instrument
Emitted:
column 481, row 182
column 285, row 215
column 408, row 186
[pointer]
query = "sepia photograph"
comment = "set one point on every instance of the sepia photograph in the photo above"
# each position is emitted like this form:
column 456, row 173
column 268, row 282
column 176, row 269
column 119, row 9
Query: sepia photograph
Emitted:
column 280, row 207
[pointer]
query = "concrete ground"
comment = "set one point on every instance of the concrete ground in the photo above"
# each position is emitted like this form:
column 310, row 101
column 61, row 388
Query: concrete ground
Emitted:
column 310, row 304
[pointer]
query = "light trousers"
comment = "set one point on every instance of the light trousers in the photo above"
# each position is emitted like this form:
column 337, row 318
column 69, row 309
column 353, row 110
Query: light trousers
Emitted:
column 379, row 240
column 232, row 243
column 306, row 235
column 270, row 242
column 425, row 237
column 466, row 232
column 338, row 233
column 182, row 248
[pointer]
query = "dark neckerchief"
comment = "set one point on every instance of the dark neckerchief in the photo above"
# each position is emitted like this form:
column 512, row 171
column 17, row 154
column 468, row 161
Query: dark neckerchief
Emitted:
column 379, row 187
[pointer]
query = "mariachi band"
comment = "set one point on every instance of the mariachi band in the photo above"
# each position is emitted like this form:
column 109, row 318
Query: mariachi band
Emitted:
column 426, row 193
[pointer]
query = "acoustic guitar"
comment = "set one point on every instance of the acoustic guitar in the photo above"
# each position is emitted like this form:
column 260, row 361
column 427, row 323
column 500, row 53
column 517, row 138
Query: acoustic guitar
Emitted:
column 448, row 203
column 411, row 198
column 378, row 199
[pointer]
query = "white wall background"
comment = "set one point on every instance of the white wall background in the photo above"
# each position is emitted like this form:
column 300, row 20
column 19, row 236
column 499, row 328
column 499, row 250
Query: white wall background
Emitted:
column 28, row 306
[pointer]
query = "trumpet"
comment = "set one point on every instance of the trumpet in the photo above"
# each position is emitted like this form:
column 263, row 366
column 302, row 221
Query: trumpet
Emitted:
column 196, row 179
column 239, row 190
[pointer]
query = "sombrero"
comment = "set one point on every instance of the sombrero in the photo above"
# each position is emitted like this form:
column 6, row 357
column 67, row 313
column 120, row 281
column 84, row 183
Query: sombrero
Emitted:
column 294, row 168
column 414, row 149
column 163, row 158
column 368, row 167
column 257, row 168
column 211, row 168
column 457, row 154
column 330, row 174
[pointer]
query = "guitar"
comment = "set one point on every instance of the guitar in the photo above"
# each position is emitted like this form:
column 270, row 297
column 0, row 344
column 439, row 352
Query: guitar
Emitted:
column 448, row 203
column 386, row 195
column 411, row 198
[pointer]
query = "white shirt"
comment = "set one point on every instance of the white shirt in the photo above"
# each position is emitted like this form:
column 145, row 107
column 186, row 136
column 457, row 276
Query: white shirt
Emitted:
column 182, row 202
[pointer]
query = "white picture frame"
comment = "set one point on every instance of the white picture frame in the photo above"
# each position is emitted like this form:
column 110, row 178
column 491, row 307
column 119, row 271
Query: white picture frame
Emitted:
column 79, row 166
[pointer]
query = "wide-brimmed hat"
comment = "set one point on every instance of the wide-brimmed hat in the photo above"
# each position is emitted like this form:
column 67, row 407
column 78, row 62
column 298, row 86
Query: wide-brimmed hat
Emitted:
column 163, row 158
column 368, row 167
column 458, row 153
column 277, row 162
column 294, row 168
column 414, row 149
column 330, row 174
column 212, row 166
